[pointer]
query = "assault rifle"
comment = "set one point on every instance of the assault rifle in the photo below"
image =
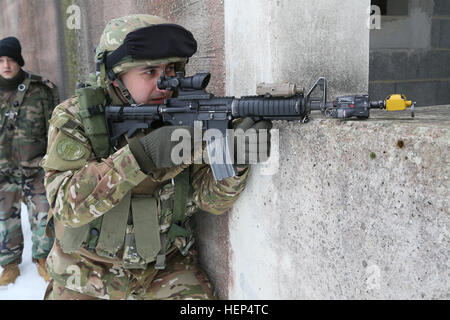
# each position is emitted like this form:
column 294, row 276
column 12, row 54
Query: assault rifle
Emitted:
column 194, row 105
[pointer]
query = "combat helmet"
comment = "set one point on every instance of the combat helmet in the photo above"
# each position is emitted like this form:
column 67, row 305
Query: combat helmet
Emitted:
column 139, row 40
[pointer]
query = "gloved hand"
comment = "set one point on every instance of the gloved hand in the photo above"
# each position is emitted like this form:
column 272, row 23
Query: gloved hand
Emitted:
column 255, row 148
column 154, row 150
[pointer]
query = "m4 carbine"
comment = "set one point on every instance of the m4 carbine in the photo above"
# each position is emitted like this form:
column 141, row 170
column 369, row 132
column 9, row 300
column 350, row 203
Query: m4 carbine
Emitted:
column 193, row 106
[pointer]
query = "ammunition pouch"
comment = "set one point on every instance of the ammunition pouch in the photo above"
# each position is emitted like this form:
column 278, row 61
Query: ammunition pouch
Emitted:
column 92, row 101
column 141, row 228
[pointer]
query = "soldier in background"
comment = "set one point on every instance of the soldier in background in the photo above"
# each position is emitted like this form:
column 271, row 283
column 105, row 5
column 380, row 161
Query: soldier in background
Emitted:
column 26, row 102
column 123, row 216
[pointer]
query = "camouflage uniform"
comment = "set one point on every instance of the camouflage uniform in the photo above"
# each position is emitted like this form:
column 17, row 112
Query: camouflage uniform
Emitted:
column 81, row 190
column 23, row 140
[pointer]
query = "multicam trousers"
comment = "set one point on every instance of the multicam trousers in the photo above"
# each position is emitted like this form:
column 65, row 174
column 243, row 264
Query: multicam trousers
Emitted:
column 181, row 279
column 13, row 190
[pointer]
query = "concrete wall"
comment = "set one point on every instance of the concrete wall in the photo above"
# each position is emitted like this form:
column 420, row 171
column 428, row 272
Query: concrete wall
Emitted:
column 410, row 54
column 270, row 41
column 358, row 210
column 293, row 40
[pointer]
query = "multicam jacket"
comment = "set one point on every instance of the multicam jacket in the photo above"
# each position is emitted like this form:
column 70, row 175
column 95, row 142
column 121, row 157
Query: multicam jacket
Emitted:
column 81, row 189
column 23, row 135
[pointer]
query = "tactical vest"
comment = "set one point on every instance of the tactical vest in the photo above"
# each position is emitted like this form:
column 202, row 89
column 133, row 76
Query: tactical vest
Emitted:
column 141, row 228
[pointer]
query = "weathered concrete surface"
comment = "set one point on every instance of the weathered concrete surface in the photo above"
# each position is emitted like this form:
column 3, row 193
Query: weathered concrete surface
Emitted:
column 292, row 40
column 358, row 210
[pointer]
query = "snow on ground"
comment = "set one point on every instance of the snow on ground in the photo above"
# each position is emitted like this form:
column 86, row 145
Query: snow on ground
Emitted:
column 29, row 285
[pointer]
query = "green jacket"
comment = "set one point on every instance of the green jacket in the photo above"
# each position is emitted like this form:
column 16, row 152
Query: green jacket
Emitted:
column 23, row 127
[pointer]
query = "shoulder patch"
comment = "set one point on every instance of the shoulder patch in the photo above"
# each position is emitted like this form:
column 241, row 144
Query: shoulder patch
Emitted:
column 71, row 150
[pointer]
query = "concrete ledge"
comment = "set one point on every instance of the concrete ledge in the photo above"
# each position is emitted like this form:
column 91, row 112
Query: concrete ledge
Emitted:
column 358, row 210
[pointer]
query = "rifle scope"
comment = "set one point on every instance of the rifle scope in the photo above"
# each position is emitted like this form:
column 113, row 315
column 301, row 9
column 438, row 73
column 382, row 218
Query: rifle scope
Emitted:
column 179, row 82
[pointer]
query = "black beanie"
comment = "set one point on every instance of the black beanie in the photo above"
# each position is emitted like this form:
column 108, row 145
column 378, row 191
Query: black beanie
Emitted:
column 10, row 47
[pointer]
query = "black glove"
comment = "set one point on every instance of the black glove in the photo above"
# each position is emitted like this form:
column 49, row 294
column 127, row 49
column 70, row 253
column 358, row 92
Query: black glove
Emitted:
column 154, row 150
column 255, row 148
